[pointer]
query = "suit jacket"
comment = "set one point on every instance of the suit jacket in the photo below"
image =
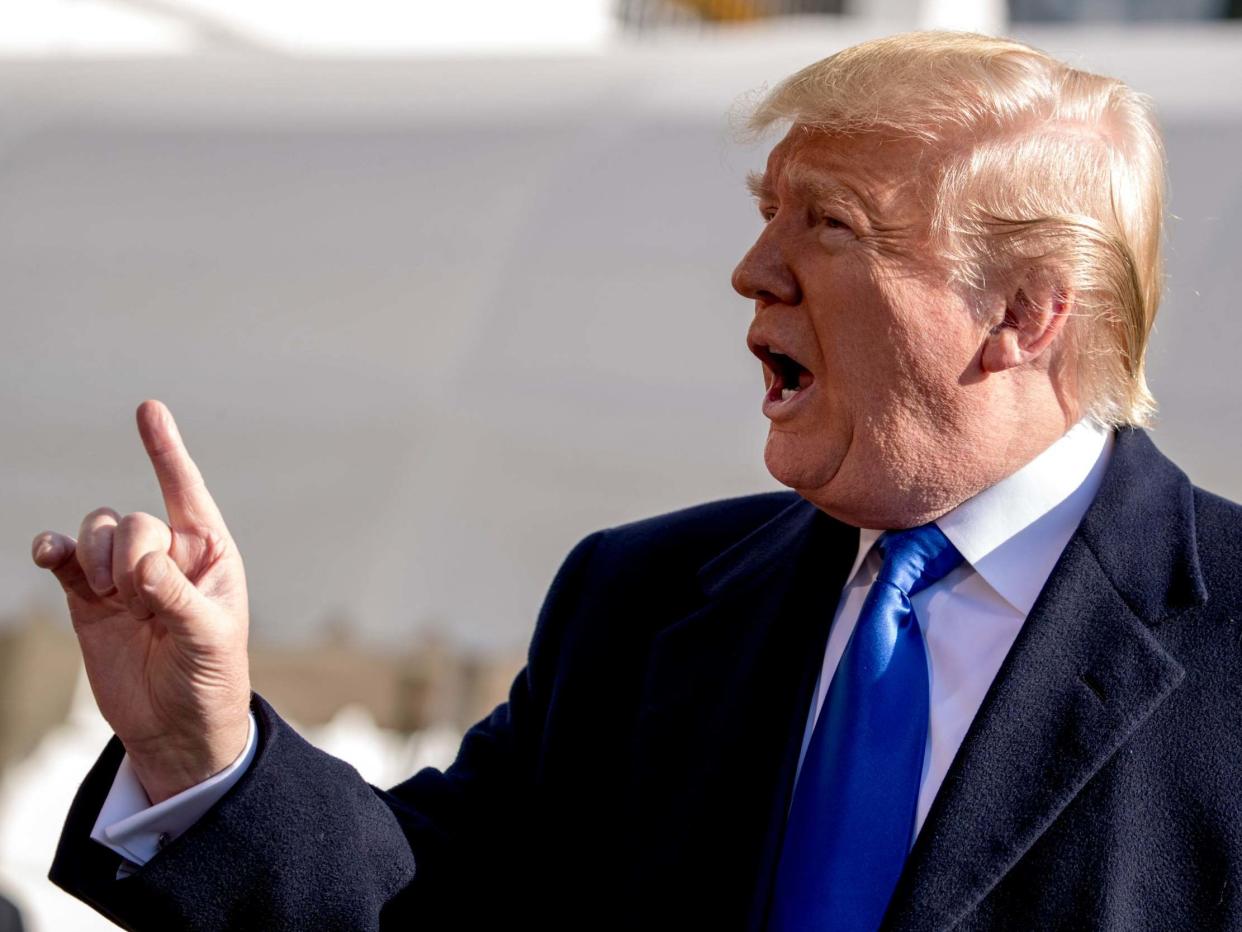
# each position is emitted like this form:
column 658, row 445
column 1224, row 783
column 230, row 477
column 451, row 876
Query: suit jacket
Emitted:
column 639, row 774
column 10, row 916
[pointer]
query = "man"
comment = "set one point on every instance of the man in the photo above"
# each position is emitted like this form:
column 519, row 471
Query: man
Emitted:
column 978, row 670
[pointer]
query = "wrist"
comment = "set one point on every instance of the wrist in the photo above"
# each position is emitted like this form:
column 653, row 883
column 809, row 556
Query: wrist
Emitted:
column 167, row 766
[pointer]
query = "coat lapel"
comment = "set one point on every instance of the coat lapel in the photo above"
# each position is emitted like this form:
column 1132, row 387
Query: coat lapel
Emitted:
column 1084, row 672
column 724, row 707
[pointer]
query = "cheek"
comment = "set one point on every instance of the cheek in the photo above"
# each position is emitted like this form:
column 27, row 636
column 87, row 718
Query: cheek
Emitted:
column 865, row 348
column 932, row 341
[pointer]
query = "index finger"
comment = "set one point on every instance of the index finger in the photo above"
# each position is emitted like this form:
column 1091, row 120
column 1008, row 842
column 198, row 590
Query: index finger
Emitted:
column 186, row 498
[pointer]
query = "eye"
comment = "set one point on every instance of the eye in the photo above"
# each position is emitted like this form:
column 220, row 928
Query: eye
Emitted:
column 835, row 223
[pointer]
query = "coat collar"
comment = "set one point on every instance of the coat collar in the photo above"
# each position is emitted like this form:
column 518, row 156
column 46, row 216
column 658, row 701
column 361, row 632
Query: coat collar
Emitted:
column 774, row 545
column 728, row 686
column 1012, row 532
column 723, row 706
column 1086, row 670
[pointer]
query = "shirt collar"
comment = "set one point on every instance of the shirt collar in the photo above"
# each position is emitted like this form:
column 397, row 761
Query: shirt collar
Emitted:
column 1013, row 532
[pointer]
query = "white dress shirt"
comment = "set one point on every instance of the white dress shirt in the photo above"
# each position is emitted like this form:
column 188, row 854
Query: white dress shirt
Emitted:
column 1010, row 536
column 136, row 830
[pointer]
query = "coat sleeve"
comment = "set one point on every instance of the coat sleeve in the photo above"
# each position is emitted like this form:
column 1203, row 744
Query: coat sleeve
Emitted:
column 303, row 842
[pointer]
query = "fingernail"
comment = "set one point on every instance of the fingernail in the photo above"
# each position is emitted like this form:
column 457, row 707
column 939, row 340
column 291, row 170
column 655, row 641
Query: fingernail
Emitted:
column 155, row 572
column 103, row 581
column 44, row 550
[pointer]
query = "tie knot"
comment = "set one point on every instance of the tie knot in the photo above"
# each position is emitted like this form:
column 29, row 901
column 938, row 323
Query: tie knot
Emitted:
column 917, row 557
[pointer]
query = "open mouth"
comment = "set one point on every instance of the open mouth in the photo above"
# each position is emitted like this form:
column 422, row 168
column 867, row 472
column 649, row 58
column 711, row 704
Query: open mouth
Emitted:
column 789, row 377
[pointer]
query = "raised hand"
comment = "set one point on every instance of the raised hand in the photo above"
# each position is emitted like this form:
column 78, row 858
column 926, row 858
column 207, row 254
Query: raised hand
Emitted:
column 161, row 616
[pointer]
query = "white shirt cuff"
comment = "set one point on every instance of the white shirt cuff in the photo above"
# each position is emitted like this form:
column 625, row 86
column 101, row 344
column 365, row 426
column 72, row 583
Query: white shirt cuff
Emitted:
column 136, row 830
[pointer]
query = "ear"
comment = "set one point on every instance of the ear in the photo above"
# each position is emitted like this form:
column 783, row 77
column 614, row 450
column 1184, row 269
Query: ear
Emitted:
column 1036, row 308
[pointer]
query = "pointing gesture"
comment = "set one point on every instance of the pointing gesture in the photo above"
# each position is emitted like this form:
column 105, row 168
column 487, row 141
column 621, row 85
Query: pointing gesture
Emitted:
column 161, row 616
column 186, row 498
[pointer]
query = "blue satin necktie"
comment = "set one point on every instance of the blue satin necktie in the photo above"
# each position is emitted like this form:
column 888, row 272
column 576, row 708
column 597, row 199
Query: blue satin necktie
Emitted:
column 853, row 813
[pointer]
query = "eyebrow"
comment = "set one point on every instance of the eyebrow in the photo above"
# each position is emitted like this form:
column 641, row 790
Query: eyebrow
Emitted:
column 812, row 186
column 757, row 185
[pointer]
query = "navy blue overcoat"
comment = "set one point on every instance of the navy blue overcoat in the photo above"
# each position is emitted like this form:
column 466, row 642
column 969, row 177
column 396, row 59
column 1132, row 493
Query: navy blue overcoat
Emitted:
column 639, row 773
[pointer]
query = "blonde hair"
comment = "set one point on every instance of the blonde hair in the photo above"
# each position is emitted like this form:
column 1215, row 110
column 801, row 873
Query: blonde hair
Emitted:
column 1042, row 169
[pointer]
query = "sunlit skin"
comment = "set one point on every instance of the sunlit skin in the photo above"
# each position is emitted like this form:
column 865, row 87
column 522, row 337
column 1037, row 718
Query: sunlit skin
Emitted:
column 920, row 393
column 165, row 652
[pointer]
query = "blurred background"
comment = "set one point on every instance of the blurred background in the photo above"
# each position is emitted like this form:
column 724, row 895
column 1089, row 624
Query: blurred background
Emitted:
column 435, row 289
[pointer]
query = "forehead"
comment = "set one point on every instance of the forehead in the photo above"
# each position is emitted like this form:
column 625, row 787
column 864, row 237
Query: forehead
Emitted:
column 883, row 174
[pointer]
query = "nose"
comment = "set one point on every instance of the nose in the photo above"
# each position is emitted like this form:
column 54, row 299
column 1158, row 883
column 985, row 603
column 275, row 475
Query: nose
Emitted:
column 764, row 275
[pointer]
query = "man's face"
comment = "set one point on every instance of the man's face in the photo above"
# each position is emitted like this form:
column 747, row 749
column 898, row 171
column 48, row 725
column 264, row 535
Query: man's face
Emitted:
column 869, row 355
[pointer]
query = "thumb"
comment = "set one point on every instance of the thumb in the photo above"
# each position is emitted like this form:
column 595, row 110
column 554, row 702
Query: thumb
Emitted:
column 166, row 590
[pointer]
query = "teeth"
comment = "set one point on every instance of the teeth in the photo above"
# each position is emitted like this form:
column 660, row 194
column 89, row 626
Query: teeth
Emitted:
column 787, row 393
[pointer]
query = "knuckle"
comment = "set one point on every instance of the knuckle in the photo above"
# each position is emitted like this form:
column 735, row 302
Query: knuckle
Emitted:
column 140, row 526
column 97, row 529
column 94, row 516
column 133, row 522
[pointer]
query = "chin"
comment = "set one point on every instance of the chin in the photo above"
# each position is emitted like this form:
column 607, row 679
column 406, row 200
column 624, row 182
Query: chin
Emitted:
column 798, row 463
column 818, row 473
